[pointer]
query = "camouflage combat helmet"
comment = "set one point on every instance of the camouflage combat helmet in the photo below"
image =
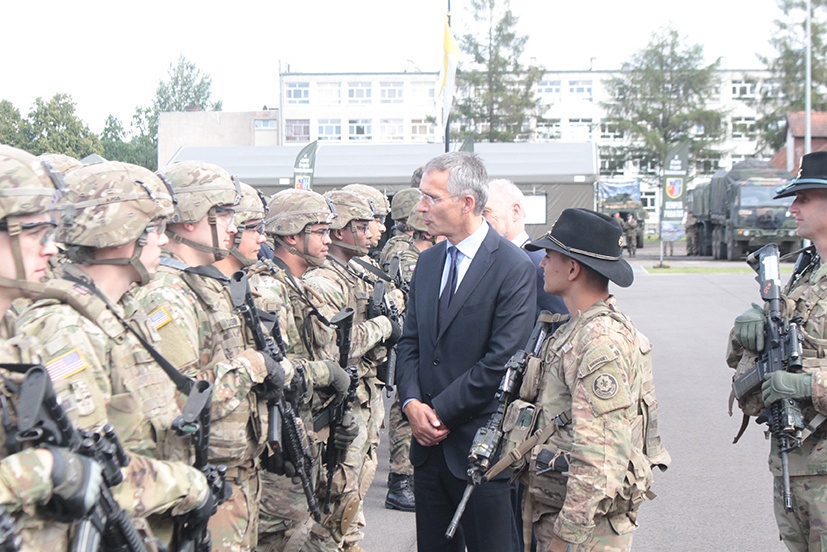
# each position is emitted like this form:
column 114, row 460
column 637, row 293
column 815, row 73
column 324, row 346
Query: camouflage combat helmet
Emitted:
column 200, row 189
column 294, row 211
column 251, row 206
column 403, row 202
column 377, row 200
column 417, row 221
column 111, row 204
column 349, row 207
column 61, row 163
column 28, row 186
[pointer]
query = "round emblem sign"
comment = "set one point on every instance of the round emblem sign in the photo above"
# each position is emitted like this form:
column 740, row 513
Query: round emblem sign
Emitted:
column 605, row 386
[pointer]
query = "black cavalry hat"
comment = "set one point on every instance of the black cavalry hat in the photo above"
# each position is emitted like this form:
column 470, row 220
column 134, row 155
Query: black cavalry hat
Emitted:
column 594, row 239
column 813, row 174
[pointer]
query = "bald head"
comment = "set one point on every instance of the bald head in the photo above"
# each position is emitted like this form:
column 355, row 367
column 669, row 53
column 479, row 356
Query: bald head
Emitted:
column 504, row 210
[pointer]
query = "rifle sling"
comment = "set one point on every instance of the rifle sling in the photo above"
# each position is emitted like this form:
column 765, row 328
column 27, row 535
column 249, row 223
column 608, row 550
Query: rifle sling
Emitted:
column 182, row 383
column 282, row 265
column 372, row 269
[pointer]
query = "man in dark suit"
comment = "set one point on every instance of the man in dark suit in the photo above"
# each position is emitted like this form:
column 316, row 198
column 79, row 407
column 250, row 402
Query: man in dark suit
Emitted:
column 471, row 306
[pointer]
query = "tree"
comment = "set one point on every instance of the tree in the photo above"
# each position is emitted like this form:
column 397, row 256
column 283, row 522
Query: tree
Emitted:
column 785, row 92
column 186, row 88
column 497, row 91
column 11, row 125
column 53, row 127
column 660, row 99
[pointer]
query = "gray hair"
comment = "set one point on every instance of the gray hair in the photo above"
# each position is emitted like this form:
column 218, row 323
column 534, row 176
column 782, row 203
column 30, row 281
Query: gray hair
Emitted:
column 466, row 175
column 508, row 190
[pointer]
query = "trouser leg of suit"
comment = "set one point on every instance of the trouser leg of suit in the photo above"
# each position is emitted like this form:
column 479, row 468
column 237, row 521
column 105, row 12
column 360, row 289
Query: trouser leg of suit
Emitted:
column 399, row 440
column 487, row 524
column 603, row 538
column 805, row 528
column 234, row 527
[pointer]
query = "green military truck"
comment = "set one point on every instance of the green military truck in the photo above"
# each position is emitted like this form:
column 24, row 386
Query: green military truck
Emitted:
column 626, row 205
column 735, row 213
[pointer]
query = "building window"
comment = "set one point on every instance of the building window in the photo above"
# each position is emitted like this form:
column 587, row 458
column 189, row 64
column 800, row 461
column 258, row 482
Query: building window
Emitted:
column 548, row 129
column 359, row 129
column 610, row 130
column 772, row 89
column 330, row 129
column 611, row 161
column 390, row 130
column 358, row 92
column 580, row 129
column 705, row 166
column 269, row 124
column 298, row 92
column 329, row 93
column 743, row 88
column 390, row 92
column 422, row 93
column 743, row 128
column 581, row 89
column 420, row 130
column 548, row 88
column 296, row 130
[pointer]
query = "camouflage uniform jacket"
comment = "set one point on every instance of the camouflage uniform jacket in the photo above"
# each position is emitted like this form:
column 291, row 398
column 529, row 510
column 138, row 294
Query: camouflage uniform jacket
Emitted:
column 407, row 261
column 810, row 299
column 393, row 246
column 593, row 367
column 339, row 287
column 102, row 374
column 203, row 338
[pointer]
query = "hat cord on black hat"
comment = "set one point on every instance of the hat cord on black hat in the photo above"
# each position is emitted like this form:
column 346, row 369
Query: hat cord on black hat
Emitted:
column 583, row 252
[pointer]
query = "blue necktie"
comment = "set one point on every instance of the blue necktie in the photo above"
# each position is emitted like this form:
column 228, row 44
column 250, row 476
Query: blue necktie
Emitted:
column 450, row 284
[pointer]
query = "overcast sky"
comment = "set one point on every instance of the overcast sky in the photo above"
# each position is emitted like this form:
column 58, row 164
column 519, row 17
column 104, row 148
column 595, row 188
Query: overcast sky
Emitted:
column 110, row 55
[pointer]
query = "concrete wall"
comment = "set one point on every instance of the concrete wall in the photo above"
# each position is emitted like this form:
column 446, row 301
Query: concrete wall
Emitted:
column 214, row 128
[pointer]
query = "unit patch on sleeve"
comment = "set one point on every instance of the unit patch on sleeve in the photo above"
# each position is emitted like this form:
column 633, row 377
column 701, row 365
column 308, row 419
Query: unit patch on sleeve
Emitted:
column 159, row 318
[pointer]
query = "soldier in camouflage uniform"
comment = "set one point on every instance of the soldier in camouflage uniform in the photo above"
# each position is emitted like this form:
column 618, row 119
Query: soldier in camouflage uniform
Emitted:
column 112, row 218
column 404, row 202
column 339, row 286
column 190, row 308
column 298, row 225
column 31, row 478
column 593, row 391
column 805, row 302
column 400, row 494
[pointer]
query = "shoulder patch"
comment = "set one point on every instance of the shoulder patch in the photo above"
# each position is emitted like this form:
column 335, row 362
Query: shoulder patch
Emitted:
column 595, row 358
column 66, row 365
column 604, row 386
column 159, row 318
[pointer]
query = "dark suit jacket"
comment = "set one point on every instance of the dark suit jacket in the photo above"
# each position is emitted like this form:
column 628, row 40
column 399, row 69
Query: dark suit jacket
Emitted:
column 458, row 370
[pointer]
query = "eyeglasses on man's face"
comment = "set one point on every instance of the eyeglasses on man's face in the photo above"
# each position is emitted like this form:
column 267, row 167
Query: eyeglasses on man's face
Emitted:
column 431, row 200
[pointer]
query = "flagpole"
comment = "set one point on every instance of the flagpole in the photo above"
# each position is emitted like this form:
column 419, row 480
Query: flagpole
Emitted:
column 448, row 118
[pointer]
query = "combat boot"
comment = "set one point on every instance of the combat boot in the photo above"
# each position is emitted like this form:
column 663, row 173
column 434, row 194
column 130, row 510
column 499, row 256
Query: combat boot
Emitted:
column 400, row 493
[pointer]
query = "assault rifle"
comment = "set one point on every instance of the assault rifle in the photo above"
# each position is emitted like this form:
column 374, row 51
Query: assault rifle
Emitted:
column 782, row 351
column 9, row 540
column 395, row 272
column 380, row 305
column 283, row 433
column 343, row 322
column 488, row 439
column 194, row 422
column 42, row 421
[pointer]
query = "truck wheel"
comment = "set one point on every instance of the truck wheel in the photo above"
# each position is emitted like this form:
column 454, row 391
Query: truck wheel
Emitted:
column 639, row 240
column 733, row 251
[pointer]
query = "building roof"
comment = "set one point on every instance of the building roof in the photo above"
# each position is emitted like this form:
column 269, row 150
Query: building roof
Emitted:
column 818, row 123
column 391, row 165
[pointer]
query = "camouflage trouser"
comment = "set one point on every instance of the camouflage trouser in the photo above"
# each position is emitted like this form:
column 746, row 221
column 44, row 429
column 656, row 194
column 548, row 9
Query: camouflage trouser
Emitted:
column 603, row 539
column 234, row 527
column 805, row 528
column 399, row 440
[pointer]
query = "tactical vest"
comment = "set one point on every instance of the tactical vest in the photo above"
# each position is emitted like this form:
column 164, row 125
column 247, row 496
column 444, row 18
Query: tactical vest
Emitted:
column 236, row 437
column 543, row 396
column 142, row 404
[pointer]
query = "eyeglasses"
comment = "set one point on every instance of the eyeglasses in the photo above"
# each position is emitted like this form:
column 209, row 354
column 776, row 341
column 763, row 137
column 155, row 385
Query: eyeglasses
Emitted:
column 44, row 231
column 363, row 228
column 224, row 212
column 159, row 226
column 431, row 200
column 321, row 232
column 259, row 227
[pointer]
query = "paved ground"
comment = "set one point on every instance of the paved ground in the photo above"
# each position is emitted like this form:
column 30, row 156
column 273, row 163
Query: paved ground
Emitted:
column 716, row 496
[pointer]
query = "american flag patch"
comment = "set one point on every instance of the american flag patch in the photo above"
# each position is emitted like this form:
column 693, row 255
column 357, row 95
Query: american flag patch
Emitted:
column 66, row 365
column 159, row 318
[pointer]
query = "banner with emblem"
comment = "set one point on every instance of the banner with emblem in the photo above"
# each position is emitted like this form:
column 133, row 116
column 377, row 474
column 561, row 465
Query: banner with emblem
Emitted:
column 673, row 198
column 303, row 168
